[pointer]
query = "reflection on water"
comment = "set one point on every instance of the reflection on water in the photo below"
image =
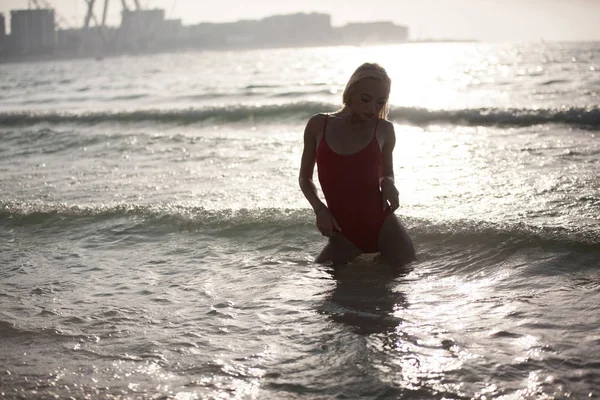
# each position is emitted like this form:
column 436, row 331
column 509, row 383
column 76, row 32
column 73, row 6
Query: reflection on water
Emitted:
column 411, row 359
column 364, row 297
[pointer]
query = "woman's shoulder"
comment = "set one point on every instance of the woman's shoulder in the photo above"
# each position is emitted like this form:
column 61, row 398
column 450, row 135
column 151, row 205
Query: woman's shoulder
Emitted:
column 318, row 118
column 316, row 122
column 385, row 132
column 385, row 126
column 314, row 126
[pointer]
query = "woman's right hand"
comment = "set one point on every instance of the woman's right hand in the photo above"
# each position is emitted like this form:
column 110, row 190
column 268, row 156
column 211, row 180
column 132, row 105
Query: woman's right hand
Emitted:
column 326, row 222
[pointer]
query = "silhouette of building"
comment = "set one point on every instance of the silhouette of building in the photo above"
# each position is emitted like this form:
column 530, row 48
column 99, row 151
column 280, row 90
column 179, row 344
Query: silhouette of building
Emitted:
column 295, row 29
column 2, row 32
column 172, row 33
column 32, row 31
column 280, row 30
column 372, row 32
column 300, row 29
column 141, row 29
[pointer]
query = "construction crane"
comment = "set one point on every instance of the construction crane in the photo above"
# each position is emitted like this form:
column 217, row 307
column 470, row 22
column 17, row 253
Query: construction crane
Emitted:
column 62, row 23
column 91, row 15
column 122, row 36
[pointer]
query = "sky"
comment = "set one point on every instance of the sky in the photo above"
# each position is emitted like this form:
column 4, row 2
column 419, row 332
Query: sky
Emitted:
column 484, row 20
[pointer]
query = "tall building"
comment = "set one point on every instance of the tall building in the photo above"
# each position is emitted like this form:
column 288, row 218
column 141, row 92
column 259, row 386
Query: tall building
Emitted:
column 141, row 29
column 32, row 31
column 2, row 31
column 285, row 29
column 277, row 30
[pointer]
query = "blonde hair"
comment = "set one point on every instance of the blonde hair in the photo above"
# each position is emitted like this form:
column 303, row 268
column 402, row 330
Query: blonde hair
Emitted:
column 366, row 71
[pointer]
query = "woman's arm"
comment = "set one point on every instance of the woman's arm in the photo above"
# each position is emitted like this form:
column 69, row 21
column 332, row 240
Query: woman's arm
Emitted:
column 386, row 182
column 307, row 164
column 325, row 220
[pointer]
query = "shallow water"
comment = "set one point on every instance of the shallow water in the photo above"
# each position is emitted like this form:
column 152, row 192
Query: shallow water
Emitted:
column 153, row 250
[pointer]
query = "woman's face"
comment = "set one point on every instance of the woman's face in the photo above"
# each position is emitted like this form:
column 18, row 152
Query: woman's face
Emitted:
column 368, row 98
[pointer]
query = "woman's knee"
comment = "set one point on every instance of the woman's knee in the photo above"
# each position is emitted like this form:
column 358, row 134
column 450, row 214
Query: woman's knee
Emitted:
column 395, row 244
column 338, row 250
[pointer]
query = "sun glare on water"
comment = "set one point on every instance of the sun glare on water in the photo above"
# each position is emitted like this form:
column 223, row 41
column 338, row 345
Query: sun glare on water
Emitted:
column 427, row 75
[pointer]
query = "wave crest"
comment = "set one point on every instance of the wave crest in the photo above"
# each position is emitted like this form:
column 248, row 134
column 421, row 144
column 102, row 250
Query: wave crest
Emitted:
column 241, row 222
column 581, row 116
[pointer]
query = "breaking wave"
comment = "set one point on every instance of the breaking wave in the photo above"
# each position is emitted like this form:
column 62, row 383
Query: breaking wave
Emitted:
column 588, row 117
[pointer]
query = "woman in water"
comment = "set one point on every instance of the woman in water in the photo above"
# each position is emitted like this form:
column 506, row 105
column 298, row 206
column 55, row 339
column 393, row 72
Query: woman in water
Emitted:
column 352, row 149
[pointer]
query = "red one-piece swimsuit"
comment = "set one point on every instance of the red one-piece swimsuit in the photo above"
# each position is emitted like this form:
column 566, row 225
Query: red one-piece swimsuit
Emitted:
column 350, row 184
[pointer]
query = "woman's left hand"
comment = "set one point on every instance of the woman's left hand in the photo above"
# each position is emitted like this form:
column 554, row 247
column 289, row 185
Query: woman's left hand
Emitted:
column 389, row 194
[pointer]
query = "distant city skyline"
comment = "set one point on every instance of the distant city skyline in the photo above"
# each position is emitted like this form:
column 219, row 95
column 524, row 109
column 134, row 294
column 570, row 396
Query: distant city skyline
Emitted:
column 485, row 20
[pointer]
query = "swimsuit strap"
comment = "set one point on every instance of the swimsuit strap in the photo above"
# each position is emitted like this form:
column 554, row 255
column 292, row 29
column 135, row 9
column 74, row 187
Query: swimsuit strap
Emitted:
column 375, row 133
column 324, row 130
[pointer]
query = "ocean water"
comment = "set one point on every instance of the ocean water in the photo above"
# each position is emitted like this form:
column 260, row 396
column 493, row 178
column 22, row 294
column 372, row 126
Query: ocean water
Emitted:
column 154, row 243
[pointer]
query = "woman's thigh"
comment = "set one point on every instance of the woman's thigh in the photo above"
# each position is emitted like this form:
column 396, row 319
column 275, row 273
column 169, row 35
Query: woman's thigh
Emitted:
column 394, row 243
column 338, row 250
